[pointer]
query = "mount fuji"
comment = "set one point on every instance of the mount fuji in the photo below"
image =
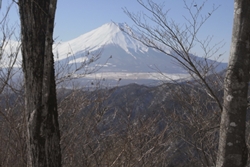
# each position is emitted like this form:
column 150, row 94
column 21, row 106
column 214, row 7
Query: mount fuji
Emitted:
column 128, row 55
column 108, row 53
column 121, row 56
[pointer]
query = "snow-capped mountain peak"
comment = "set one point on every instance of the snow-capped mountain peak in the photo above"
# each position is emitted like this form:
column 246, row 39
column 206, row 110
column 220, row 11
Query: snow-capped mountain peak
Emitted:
column 110, row 33
column 119, row 56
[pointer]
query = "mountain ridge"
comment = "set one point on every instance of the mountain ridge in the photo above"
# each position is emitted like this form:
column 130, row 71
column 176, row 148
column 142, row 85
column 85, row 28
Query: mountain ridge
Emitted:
column 100, row 37
column 116, row 55
column 129, row 56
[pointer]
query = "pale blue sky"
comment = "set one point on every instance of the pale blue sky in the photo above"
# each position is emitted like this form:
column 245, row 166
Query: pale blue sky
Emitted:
column 76, row 17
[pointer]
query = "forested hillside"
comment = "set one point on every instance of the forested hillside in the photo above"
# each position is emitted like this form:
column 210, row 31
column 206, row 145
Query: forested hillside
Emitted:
column 173, row 124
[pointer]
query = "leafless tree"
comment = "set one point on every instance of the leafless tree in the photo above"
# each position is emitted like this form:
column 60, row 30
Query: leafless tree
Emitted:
column 12, row 121
column 165, row 34
column 196, row 124
column 178, row 40
column 37, row 25
column 233, row 150
column 96, row 133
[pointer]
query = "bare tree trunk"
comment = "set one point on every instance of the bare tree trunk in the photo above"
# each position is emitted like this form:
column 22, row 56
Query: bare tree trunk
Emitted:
column 37, row 24
column 233, row 151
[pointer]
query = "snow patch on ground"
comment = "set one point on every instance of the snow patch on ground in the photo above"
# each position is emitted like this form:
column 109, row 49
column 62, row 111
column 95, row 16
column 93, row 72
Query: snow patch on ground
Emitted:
column 78, row 60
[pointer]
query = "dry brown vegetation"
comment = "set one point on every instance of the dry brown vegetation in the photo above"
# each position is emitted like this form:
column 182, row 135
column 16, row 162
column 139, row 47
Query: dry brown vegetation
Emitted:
column 97, row 130
column 174, row 124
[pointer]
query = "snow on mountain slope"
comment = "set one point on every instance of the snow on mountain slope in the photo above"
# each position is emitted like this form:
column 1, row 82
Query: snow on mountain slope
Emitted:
column 128, row 55
column 10, row 54
column 130, row 60
column 109, row 33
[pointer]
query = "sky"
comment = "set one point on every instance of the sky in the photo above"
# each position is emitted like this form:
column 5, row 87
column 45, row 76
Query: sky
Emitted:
column 76, row 17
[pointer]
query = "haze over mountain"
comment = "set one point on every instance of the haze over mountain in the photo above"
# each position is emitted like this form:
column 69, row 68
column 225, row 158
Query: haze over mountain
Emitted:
column 120, row 57
column 128, row 55
column 130, row 58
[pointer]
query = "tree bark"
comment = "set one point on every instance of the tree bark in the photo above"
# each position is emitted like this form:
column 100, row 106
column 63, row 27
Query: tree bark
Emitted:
column 233, row 151
column 37, row 25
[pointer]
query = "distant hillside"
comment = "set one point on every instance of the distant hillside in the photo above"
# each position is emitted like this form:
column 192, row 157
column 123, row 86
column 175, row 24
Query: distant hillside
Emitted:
column 108, row 53
column 162, row 120
column 121, row 56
